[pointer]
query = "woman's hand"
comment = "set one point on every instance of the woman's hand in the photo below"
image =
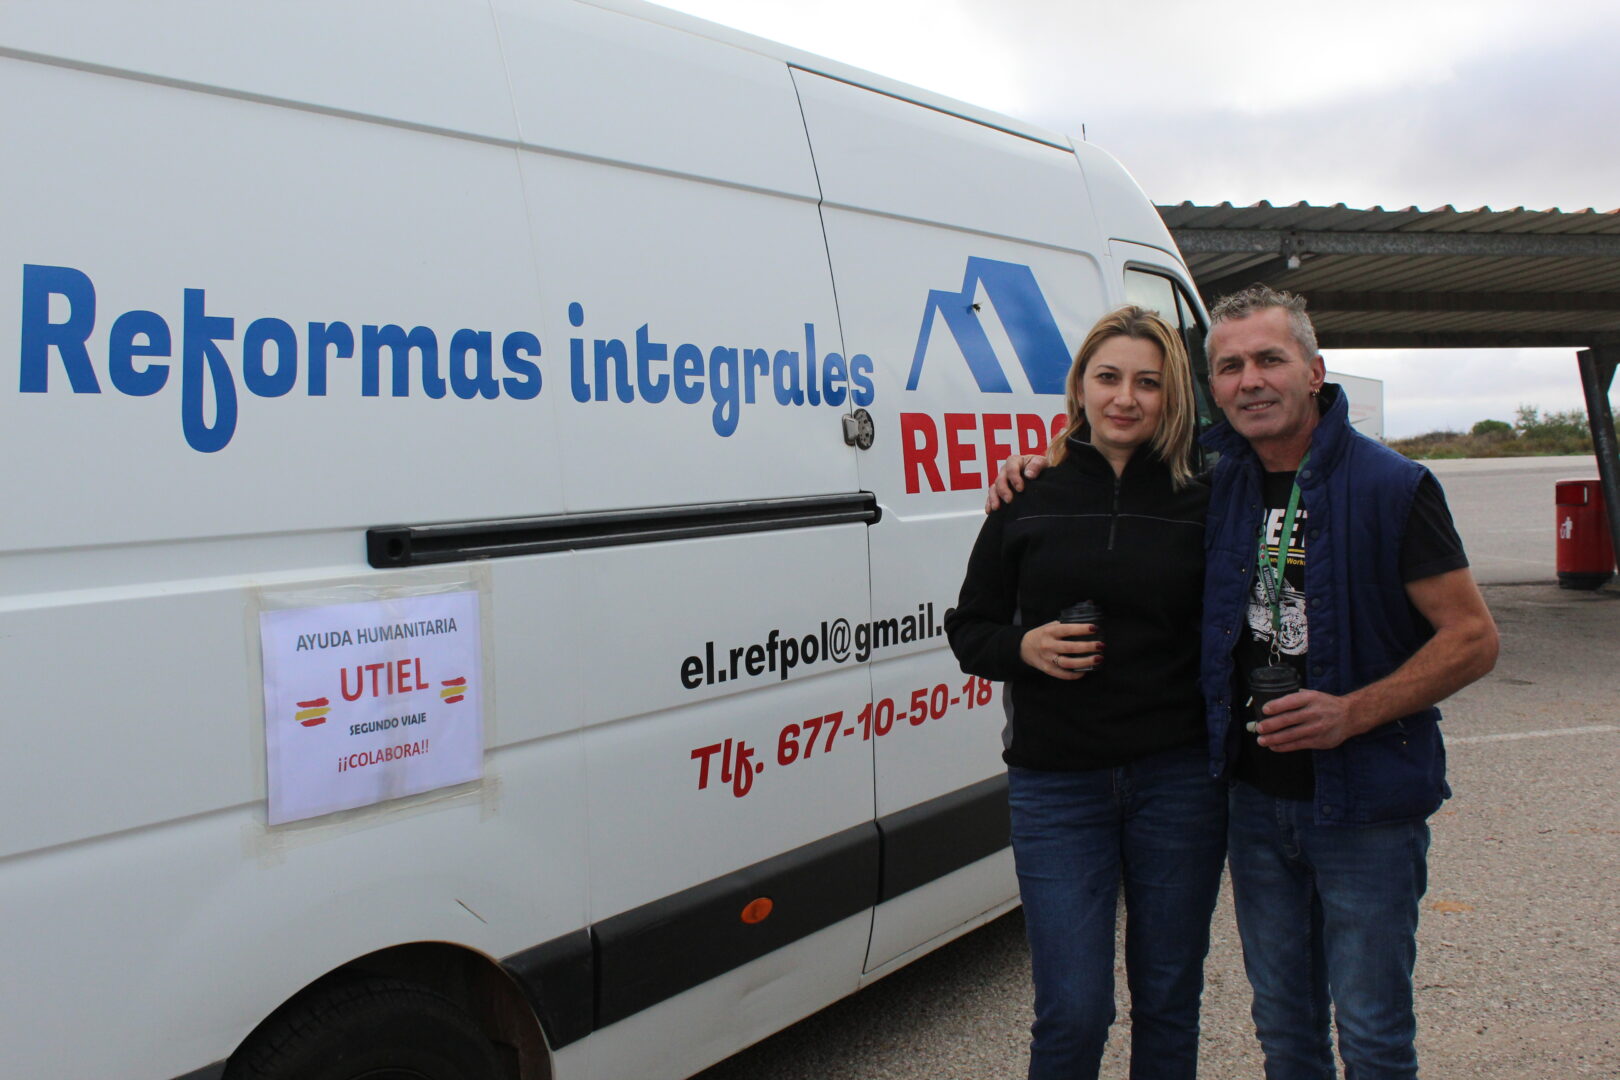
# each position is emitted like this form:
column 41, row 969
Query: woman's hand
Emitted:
column 1052, row 650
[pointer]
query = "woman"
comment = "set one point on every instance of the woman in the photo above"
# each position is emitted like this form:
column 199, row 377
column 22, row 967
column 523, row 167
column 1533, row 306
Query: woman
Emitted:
column 1108, row 778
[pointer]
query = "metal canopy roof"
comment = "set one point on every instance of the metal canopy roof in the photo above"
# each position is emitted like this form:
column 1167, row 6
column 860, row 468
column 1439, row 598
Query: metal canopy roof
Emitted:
column 1444, row 278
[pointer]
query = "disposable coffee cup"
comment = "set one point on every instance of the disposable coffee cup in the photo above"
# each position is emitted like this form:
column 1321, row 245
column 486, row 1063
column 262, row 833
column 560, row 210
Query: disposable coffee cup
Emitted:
column 1267, row 684
column 1084, row 612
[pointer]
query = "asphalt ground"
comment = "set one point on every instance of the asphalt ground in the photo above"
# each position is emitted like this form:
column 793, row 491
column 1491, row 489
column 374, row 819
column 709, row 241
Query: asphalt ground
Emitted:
column 1518, row 974
column 1504, row 511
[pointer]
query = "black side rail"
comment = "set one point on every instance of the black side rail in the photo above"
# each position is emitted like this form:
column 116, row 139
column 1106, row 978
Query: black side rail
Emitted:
column 392, row 546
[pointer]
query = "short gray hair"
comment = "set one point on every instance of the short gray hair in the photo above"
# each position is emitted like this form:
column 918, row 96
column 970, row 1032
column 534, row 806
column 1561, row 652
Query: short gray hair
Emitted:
column 1257, row 298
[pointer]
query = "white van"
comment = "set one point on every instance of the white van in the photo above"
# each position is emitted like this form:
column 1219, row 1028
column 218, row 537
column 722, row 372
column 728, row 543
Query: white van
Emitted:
column 484, row 483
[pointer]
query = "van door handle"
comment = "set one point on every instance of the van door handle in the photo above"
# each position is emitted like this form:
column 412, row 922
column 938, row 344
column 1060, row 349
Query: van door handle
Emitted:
column 859, row 430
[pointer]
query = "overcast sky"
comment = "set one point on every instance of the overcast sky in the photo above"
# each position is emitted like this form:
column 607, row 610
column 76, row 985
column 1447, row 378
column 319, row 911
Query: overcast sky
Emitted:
column 1497, row 103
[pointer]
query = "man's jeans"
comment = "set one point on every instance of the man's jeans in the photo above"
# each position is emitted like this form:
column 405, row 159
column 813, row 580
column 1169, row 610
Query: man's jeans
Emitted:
column 1160, row 824
column 1328, row 915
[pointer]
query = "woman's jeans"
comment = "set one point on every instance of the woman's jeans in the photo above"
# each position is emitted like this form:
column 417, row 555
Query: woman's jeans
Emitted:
column 1328, row 914
column 1158, row 824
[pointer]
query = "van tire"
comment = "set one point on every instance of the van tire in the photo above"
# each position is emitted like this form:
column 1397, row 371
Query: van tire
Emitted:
column 368, row 1029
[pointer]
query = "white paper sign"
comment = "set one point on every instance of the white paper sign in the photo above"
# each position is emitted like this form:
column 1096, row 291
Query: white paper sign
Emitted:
column 371, row 701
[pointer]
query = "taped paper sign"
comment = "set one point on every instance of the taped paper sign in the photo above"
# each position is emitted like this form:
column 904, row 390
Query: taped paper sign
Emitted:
column 370, row 701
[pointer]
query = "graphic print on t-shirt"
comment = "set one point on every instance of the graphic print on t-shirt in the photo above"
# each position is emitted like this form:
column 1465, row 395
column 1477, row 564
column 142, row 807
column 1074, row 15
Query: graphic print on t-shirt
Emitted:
column 1295, row 635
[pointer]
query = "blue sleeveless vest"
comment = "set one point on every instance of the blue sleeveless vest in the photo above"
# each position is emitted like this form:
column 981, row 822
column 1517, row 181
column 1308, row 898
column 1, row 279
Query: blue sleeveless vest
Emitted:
column 1357, row 494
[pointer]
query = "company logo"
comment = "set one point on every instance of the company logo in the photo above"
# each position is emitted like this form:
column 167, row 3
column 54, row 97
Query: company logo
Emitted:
column 1025, row 317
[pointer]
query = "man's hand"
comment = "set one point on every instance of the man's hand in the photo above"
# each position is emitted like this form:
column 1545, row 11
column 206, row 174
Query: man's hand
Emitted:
column 1051, row 650
column 1011, row 478
column 1462, row 649
column 1307, row 720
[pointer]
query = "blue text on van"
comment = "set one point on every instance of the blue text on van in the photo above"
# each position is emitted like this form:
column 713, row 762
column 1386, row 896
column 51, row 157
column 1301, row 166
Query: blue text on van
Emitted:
column 269, row 362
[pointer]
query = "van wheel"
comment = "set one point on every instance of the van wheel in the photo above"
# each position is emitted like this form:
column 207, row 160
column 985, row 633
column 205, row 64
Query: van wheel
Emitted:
column 368, row 1029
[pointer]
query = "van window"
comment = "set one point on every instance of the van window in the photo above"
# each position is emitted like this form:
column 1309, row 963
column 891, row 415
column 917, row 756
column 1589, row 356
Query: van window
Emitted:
column 1165, row 295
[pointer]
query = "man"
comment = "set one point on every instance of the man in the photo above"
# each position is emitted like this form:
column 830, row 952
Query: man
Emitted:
column 1369, row 601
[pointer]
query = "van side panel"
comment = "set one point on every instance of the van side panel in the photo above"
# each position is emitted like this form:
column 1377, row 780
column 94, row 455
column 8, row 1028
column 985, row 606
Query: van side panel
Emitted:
column 657, row 751
column 210, row 311
column 967, row 261
column 132, row 835
column 658, row 99
column 681, row 264
column 706, row 326
column 432, row 65
column 683, row 259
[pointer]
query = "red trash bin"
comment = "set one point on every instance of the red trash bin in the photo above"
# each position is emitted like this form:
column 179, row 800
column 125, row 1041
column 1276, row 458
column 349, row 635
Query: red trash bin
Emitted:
column 1585, row 551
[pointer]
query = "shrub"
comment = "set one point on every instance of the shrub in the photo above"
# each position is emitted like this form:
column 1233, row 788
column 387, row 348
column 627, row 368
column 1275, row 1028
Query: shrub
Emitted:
column 1532, row 433
column 1554, row 432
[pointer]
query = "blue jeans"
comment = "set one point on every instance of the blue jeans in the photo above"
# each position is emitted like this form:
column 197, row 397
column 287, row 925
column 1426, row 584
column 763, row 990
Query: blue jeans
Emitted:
column 1328, row 916
column 1159, row 824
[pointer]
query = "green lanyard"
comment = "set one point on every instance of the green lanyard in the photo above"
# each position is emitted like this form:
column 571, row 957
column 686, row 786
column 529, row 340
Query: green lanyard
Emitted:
column 1271, row 574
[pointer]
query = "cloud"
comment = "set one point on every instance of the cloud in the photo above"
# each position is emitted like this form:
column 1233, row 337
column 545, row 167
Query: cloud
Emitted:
column 1527, row 127
column 1451, row 389
column 1167, row 54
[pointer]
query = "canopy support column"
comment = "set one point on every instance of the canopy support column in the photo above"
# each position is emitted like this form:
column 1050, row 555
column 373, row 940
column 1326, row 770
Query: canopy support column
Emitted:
column 1597, row 374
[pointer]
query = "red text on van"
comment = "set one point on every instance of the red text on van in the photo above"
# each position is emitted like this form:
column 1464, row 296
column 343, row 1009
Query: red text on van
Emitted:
column 959, row 451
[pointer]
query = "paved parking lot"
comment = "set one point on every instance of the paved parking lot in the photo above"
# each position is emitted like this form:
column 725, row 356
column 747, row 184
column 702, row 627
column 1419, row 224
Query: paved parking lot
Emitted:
column 1519, row 962
column 1504, row 510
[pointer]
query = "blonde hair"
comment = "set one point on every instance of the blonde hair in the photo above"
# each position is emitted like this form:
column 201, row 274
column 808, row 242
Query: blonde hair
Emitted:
column 1178, row 422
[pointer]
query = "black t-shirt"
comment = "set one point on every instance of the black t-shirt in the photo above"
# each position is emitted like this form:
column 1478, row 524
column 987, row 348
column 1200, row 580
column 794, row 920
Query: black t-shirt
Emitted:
column 1429, row 546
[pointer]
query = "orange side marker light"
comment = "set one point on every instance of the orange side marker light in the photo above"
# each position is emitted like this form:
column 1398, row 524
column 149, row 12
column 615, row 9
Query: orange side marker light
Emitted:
column 757, row 910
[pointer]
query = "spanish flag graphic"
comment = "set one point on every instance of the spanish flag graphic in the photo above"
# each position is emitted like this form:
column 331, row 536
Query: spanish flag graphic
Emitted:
column 453, row 690
column 312, row 713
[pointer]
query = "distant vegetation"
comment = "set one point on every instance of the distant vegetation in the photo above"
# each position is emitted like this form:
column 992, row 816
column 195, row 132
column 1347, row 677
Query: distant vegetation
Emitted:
column 1531, row 434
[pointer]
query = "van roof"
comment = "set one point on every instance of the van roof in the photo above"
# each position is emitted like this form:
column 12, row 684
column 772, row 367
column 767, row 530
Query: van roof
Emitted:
column 822, row 65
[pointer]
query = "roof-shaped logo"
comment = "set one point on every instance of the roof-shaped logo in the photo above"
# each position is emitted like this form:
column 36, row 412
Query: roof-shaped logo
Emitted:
column 1025, row 317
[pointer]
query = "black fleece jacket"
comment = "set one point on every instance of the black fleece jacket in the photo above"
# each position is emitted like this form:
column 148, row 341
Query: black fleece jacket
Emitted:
column 1135, row 547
